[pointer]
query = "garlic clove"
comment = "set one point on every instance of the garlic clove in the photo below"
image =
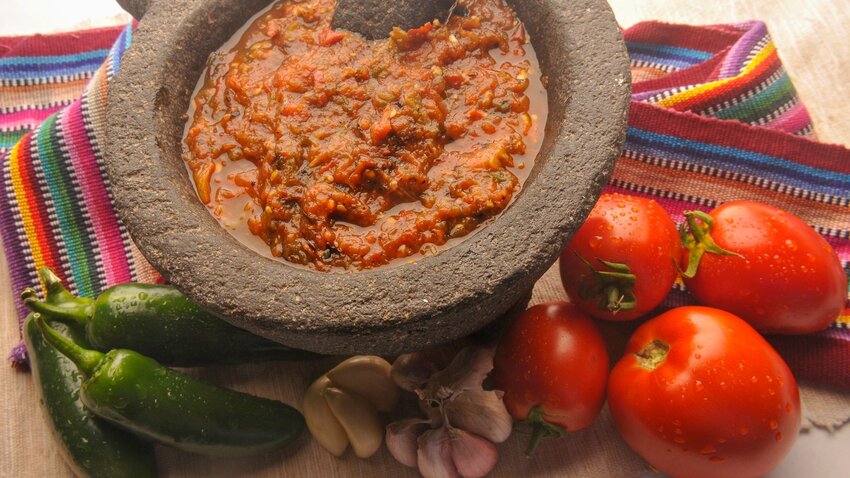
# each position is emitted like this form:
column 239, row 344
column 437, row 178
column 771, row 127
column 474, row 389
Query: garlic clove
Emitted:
column 481, row 412
column 402, row 439
column 411, row 371
column 472, row 455
column 358, row 418
column 434, row 455
column 466, row 372
column 369, row 377
column 321, row 422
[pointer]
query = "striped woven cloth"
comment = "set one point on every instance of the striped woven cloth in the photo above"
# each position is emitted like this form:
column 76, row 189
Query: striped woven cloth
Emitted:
column 714, row 118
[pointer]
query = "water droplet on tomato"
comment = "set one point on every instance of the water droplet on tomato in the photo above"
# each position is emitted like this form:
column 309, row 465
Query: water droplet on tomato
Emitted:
column 698, row 385
column 708, row 449
column 716, row 459
column 594, row 242
column 744, row 431
column 680, row 440
column 778, row 436
column 773, row 425
column 788, row 407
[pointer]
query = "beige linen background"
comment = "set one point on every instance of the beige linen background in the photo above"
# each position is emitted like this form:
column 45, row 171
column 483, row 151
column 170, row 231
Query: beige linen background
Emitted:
column 812, row 39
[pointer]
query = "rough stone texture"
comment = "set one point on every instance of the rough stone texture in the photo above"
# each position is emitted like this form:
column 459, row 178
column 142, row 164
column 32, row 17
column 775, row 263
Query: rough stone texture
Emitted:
column 388, row 310
column 375, row 19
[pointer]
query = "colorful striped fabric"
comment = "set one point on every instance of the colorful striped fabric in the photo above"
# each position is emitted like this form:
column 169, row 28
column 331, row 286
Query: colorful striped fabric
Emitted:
column 714, row 118
column 55, row 203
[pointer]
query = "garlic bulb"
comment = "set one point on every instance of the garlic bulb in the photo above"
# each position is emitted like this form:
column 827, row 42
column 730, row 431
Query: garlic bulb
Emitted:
column 463, row 421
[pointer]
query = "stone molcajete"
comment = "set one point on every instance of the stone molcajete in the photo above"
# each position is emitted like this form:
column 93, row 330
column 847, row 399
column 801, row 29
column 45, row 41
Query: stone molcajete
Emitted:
column 385, row 310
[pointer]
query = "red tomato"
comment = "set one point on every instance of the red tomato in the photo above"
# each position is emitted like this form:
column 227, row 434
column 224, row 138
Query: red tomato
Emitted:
column 622, row 262
column 699, row 393
column 784, row 277
column 552, row 365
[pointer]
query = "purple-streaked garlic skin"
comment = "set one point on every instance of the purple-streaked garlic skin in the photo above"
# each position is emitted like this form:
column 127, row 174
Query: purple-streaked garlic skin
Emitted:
column 412, row 371
column 481, row 412
column 402, row 439
column 472, row 455
column 463, row 420
column 466, row 372
column 434, row 455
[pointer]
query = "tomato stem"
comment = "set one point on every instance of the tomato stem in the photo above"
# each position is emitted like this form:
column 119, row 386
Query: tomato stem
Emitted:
column 652, row 354
column 695, row 233
column 612, row 288
column 541, row 429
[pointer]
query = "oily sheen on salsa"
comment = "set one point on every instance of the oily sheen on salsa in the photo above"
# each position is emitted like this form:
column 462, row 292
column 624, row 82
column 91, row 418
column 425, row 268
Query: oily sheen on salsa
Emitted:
column 328, row 150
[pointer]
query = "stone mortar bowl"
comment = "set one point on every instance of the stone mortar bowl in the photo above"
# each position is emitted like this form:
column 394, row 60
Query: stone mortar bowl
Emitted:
column 384, row 310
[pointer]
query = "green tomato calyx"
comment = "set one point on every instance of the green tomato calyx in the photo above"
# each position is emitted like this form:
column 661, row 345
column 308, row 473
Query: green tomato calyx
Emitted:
column 695, row 233
column 652, row 354
column 540, row 429
column 613, row 287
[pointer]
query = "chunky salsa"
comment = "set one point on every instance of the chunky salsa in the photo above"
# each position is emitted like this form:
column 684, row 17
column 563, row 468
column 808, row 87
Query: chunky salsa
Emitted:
column 340, row 152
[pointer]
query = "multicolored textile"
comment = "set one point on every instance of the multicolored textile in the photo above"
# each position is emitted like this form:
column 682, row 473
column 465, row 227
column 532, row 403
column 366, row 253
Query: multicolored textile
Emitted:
column 55, row 203
column 714, row 118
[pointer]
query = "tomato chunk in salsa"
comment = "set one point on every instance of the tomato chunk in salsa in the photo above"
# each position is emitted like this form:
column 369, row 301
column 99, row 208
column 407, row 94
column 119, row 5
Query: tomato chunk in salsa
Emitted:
column 342, row 153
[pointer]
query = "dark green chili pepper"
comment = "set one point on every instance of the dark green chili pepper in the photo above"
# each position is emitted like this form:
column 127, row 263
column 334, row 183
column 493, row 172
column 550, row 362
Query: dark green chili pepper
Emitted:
column 157, row 321
column 155, row 402
column 90, row 446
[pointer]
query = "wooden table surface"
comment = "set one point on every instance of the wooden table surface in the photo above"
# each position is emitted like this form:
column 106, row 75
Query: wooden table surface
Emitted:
column 812, row 40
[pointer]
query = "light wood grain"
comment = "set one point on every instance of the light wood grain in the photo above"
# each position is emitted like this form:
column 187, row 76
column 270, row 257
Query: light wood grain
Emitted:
column 812, row 40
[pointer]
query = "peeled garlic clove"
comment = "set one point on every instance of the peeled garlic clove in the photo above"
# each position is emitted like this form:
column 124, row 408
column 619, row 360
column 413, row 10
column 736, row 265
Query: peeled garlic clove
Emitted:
column 434, row 456
column 401, row 439
column 369, row 377
column 480, row 412
column 472, row 455
column 321, row 421
column 358, row 418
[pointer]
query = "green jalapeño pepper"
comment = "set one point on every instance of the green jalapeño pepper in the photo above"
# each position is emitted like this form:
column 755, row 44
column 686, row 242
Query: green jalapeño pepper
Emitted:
column 169, row 407
column 91, row 446
column 157, row 321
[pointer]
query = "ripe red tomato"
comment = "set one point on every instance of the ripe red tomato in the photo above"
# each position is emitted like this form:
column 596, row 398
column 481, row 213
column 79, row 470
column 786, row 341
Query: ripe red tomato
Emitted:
column 699, row 393
column 623, row 261
column 553, row 366
column 784, row 277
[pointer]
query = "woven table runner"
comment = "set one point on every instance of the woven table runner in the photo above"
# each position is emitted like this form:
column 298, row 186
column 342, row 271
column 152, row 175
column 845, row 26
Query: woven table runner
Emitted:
column 714, row 117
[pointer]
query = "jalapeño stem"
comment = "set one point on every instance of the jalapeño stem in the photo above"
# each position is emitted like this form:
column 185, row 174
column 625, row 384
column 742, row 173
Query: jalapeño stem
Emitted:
column 58, row 303
column 58, row 312
column 86, row 360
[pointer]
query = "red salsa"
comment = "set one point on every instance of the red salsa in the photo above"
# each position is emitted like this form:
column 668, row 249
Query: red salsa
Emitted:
column 336, row 152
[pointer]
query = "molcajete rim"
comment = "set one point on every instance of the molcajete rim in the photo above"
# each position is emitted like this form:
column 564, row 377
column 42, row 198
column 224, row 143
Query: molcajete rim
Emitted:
column 433, row 300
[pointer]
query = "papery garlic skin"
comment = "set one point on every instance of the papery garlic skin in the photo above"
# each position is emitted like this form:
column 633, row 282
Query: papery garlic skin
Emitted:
column 465, row 419
column 402, row 439
column 481, row 412
column 434, row 456
column 466, row 372
column 473, row 456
